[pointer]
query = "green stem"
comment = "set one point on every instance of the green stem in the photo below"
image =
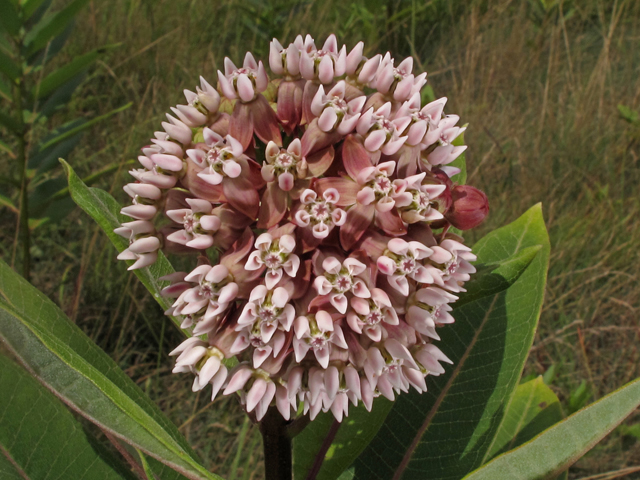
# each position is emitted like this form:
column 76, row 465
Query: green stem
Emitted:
column 21, row 158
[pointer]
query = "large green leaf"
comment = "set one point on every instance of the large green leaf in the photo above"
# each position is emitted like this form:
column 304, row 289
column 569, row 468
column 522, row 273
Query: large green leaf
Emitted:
column 533, row 408
column 42, row 438
column 104, row 209
column 558, row 447
column 51, row 26
column 63, row 358
column 446, row 432
column 355, row 433
column 351, row 438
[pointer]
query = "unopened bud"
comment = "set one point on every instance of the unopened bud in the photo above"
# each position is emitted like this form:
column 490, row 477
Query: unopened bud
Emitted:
column 469, row 209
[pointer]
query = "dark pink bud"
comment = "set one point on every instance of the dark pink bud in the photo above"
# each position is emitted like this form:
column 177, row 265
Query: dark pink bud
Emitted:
column 469, row 209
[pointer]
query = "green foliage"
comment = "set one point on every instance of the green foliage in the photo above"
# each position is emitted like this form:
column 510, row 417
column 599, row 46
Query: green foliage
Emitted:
column 30, row 39
column 533, row 408
column 105, row 211
column 42, row 437
column 448, row 431
column 65, row 360
column 558, row 447
column 335, row 446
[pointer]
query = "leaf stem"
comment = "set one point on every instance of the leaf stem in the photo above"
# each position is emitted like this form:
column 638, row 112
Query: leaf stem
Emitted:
column 277, row 446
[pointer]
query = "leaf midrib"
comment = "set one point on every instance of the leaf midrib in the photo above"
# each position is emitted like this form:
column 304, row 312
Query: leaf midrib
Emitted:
column 180, row 453
column 434, row 409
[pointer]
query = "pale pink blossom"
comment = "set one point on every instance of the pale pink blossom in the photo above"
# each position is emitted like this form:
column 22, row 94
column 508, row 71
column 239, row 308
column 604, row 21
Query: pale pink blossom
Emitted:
column 401, row 261
column 276, row 256
column 319, row 334
column 243, row 83
column 340, row 279
column 334, row 112
column 199, row 225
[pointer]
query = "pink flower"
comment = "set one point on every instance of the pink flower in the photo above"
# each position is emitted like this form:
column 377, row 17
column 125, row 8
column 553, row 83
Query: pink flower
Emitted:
column 340, row 279
column 402, row 261
column 199, row 225
column 382, row 133
column 275, row 255
column 315, row 220
column 334, row 112
column 319, row 334
column 218, row 159
column 325, row 64
column 243, row 83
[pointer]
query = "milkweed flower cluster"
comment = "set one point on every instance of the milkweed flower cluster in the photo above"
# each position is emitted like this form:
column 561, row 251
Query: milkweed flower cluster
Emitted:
column 317, row 206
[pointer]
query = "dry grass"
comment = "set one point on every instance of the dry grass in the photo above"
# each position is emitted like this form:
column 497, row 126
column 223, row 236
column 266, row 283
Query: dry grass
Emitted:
column 539, row 91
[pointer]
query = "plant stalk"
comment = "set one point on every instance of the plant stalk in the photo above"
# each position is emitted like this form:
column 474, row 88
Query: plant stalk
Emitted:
column 277, row 446
column 21, row 158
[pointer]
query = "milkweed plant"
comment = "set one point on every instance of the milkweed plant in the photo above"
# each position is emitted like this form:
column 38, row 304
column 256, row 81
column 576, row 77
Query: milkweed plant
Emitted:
column 319, row 203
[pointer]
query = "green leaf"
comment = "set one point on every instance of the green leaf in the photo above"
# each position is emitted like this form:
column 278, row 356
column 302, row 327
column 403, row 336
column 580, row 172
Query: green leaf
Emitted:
column 66, row 73
column 5, row 148
column 50, row 26
column 5, row 91
column 65, row 360
column 6, row 202
column 8, row 122
column 630, row 430
column 82, row 127
column 29, row 7
column 42, row 438
column 460, row 162
column 58, row 99
column 497, row 276
column 8, row 67
column 44, row 160
column 352, row 436
column 579, row 397
column 629, row 115
column 533, row 408
column 446, row 432
column 558, row 447
column 103, row 208
column 9, row 20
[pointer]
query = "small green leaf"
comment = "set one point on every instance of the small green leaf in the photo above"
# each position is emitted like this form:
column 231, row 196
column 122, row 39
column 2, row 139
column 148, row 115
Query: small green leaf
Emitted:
column 9, row 123
column 629, row 115
column 6, row 202
column 9, row 68
column 558, row 447
column 630, row 430
column 29, row 7
column 353, row 435
column 9, row 20
column 58, row 99
column 533, row 408
column 579, row 397
column 51, row 25
column 45, row 159
column 84, row 377
column 103, row 208
column 496, row 277
column 66, row 73
column 42, row 437
column 82, row 127
column 6, row 149
column 5, row 91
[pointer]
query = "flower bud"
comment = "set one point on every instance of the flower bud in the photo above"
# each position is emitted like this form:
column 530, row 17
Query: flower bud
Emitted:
column 469, row 209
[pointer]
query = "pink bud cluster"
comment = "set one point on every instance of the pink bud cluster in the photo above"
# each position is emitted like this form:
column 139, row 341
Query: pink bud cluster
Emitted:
column 318, row 204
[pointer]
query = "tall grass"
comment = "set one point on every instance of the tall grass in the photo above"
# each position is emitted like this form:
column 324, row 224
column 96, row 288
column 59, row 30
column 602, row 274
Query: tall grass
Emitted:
column 537, row 81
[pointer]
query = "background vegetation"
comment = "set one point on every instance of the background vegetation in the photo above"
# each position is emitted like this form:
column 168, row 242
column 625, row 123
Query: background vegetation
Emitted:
column 539, row 83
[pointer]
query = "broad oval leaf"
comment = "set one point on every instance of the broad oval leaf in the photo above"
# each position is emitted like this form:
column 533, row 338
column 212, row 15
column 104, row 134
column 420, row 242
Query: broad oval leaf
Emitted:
column 8, row 67
column 9, row 20
column 558, row 447
column 62, row 357
column 354, row 434
column 446, row 432
column 41, row 439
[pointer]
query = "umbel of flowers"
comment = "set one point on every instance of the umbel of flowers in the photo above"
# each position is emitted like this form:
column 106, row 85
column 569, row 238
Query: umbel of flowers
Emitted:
column 316, row 203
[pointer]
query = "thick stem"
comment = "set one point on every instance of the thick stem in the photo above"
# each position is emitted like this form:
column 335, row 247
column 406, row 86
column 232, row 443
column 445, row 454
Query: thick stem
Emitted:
column 277, row 446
